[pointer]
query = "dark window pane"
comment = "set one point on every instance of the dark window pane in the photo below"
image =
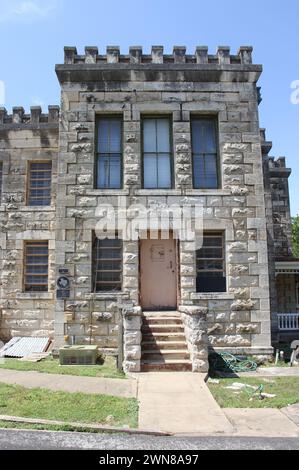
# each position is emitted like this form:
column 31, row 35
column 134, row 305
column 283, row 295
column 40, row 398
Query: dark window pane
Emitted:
column 150, row 165
column 211, row 284
column 109, row 153
column 36, row 266
column 210, row 264
column 163, row 136
column 156, row 154
column 164, row 171
column 40, row 179
column 107, row 265
column 204, row 149
column 204, row 136
column 149, row 136
column 109, row 171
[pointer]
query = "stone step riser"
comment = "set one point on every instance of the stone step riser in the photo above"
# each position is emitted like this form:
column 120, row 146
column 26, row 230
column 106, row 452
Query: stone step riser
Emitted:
column 152, row 345
column 163, row 329
column 162, row 337
column 166, row 367
column 162, row 355
column 162, row 321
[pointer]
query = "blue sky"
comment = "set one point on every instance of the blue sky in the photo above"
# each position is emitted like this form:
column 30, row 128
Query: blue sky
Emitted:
column 33, row 33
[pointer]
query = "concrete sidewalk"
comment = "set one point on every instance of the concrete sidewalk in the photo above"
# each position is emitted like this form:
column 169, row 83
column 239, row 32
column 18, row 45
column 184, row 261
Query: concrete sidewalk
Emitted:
column 272, row 372
column 70, row 383
column 261, row 422
column 179, row 403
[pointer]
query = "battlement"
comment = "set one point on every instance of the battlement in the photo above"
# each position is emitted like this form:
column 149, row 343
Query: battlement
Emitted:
column 266, row 144
column 277, row 167
column 279, row 162
column 157, row 56
column 35, row 118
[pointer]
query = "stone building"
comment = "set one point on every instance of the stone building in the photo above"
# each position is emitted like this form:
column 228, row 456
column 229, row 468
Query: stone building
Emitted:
column 142, row 134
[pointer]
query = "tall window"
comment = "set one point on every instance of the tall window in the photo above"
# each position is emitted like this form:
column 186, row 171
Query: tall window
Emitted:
column 1, row 180
column 210, row 263
column 157, row 154
column 205, row 153
column 107, row 262
column 39, row 184
column 109, row 153
column 36, row 266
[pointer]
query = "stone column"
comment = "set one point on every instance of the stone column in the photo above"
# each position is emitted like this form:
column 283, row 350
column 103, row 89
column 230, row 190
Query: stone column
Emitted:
column 132, row 339
column 195, row 321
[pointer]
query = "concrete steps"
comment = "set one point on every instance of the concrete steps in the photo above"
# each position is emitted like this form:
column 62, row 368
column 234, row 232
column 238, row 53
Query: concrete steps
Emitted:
column 164, row 366
column 164, row 346
column 161, row 345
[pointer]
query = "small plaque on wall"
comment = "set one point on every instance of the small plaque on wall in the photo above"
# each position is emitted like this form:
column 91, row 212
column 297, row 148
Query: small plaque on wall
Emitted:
column 63, row 271
column 63, row 294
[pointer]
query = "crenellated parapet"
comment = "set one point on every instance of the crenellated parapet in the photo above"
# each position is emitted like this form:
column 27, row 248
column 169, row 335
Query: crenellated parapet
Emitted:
column 266, row 144
column 35, row 118
column 278, row 167
column 157, row 56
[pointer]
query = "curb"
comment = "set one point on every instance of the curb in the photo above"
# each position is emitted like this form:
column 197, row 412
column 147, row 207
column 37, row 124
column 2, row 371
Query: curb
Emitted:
column 91, row 427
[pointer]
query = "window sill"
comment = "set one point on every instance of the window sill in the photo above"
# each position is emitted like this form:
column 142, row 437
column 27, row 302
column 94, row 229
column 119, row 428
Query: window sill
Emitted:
column 208, row 192
column 107, row 192
column 37, row 209
column 212, row 296
column 35, row 295
column 104, row 295
column 178, row 192
column 158, row 192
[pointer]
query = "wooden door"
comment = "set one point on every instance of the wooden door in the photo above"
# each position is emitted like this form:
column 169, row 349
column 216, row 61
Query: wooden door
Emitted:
column 158, row 276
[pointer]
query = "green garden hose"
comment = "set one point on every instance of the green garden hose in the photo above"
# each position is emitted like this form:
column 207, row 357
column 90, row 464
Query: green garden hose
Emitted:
column 226, row 362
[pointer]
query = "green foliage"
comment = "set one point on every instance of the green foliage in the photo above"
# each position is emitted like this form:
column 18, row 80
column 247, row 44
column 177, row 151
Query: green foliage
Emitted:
column 69, row 407
column 295, row 235
column 51, row 366
column 286, row 390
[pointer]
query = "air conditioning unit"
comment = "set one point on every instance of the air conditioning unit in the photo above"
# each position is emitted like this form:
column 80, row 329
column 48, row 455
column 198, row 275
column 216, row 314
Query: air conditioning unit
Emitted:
column 78, row 355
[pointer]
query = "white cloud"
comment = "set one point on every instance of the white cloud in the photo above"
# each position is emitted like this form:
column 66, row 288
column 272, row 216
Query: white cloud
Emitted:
column 25, row 11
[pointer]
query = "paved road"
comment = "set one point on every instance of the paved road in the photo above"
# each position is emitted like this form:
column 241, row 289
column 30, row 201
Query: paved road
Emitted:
column 45, row 440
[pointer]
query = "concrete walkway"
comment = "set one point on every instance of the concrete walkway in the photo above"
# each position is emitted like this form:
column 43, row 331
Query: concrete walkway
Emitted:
column 272, row 372
column 179, row 403
column 70, row 383
column 261, row 422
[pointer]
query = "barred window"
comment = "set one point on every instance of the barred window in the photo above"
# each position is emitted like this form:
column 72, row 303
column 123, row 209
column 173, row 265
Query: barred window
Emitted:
column 36, row 266
column 157, row 155
column 107, row 262
column 205, row 153
column 210, row 263
column 39, row 184
column 1, row 180
column 109, row 153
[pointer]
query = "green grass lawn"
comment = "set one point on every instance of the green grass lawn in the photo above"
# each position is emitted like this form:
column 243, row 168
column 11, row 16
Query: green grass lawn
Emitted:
column 48, row 427
column 286, row 389
column 51, row 366
column 69, row 407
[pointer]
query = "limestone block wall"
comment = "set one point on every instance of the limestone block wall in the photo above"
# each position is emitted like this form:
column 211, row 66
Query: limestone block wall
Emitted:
column 180, row 86
column 25, row 138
